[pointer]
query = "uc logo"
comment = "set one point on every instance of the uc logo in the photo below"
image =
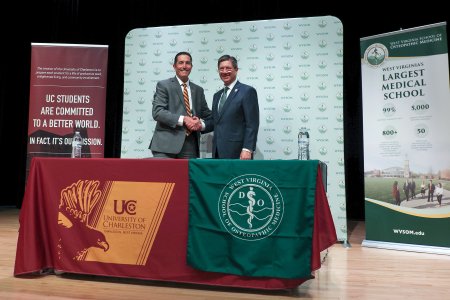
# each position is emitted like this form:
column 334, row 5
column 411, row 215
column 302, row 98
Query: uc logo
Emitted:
column 125, row 206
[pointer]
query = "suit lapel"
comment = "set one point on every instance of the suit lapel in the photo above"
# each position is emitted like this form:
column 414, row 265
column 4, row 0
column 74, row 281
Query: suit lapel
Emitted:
column 193, row 102
column 177, row 88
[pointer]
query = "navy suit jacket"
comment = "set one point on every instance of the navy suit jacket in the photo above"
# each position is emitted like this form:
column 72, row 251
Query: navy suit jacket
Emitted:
column 168, row 105
column 236, row 125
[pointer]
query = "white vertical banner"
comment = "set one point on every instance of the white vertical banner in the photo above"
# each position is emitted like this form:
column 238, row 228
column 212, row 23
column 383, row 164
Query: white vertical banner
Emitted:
column 296, row 66
column 406, row 108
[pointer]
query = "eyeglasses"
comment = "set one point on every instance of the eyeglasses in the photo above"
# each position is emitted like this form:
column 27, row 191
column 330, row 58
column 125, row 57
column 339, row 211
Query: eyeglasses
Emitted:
column 225, row 69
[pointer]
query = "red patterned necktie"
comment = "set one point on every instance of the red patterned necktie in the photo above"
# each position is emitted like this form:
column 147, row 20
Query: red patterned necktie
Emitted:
column 186, row 104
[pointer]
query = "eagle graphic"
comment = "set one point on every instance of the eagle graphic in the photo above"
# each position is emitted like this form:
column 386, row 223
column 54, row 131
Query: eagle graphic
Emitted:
column 77, row 233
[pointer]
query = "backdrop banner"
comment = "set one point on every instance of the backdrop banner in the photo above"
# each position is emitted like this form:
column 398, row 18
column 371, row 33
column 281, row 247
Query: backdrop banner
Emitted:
column 295, row 65
column 67, row 94
column 406, row 104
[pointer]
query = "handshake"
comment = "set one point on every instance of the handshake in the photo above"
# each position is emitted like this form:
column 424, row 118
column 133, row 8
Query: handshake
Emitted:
column 192, row 123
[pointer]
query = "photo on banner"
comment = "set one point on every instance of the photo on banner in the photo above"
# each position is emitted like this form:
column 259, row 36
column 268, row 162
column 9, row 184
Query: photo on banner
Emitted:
column 406, row 104
column 67, row 94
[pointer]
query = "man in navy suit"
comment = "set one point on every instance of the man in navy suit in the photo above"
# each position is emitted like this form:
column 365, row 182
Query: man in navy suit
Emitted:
column 235, row 115
column 178, row 128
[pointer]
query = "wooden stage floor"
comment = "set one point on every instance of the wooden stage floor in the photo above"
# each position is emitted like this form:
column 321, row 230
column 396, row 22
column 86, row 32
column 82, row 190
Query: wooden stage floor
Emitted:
column 347, row 273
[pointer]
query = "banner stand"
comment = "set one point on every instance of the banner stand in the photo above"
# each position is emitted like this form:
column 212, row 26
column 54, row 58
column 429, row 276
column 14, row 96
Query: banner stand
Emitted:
column 67, row 94
column 406, row 104
column 406, row 247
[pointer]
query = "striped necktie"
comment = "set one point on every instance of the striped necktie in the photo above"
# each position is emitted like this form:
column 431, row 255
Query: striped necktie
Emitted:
column 186, row 104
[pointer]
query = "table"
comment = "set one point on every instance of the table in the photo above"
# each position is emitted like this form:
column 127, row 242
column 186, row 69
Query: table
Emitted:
column 127, row 218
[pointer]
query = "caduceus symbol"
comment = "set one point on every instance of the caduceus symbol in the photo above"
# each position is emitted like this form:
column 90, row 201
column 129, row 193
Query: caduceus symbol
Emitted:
column 251, row 203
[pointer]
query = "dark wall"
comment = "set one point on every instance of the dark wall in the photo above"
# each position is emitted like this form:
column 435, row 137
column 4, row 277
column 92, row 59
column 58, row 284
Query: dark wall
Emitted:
column 107, row 22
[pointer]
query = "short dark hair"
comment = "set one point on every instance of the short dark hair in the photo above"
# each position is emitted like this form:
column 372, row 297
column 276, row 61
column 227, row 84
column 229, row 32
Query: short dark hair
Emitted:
column 230, row 58
column 181, row 53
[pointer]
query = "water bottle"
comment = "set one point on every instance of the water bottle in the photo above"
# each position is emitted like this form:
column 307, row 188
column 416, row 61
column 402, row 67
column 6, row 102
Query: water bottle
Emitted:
column 303, row 145
column 76, row 145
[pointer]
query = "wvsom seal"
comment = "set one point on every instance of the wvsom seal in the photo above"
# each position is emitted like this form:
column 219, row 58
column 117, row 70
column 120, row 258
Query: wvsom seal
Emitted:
column 251, row 207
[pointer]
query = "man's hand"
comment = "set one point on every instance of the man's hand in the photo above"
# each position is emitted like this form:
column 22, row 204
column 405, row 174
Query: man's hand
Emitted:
column 192, row 123
column 245, row 155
